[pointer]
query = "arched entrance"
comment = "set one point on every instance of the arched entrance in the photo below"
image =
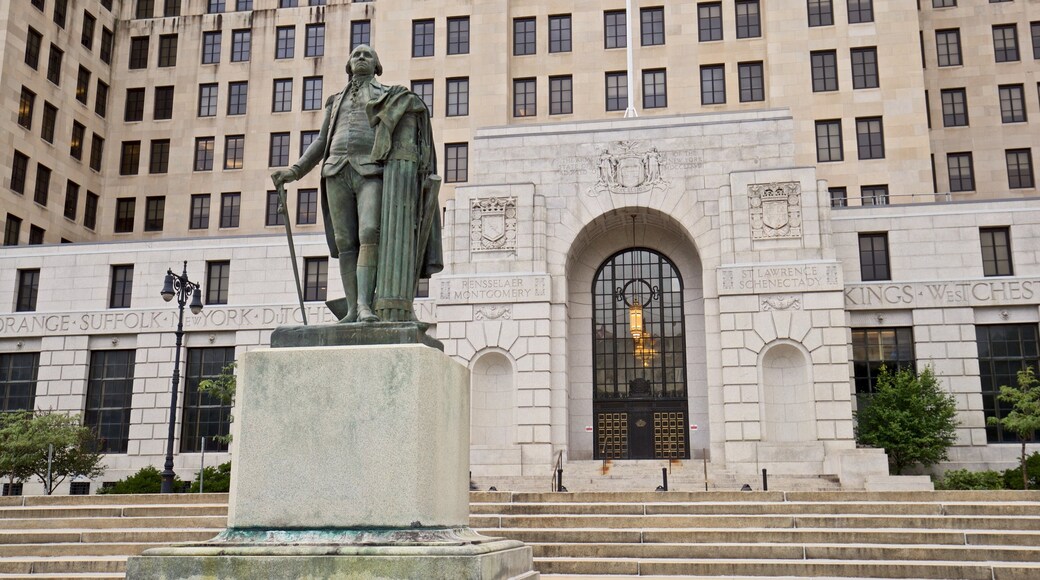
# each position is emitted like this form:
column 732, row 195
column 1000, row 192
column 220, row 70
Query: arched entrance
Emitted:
column 640, row 408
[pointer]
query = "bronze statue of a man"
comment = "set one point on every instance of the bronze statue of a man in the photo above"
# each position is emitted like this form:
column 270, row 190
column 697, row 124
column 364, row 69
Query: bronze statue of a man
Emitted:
column 378, row 191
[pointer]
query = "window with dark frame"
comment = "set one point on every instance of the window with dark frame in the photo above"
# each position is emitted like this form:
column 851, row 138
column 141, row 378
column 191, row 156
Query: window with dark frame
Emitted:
column 1019, row 168
column 651, row 26
column 54, row 65
column 273, row 215
column 314, row 44
column 159, row 158
column 954, row 107
column 422, row 38
column 107, row 41
column 870, row 138
column 43, row 184
column 144, row 9
column 279, row 152
column 97, row 151
column 873, row 257
column 307, row 206
column 560, row 33
column 218, row 278
column 124, row 222
column 1005, row 43
column 361, row 33
column 316, row 279
column 424, row 89
column 199, row 217
column 162, row 108
column 171, row 8
column 655, row 88
column 829, row 141
column 86, row 37
column 230, row 209
column 208, row 99
column 1034, row 30
column 154, row 213
column 28, row 290
column 19, row 171
column 873, row 348
column 614, row 29
column 205, row 416
column 90, row 211
column 282, row 101
column 456, row 164
column 18, row 375
column 234, row 151
column 167, row 50
column 961, row 171
column 996, row 251
column 26, row 104
column 861, row 11
column 312, row 93
column 306, row 138
column 50, row 120
column 752, row 83
column 241, row 45
column 1004, row 350
column 713, row 84
column 948, row 47
column 134, row 107
column 285, row 42
column 821, row 12
column 709, row 21
column 33, row 46
column 82, row 84
column 749, row 19
column 944, row 3
column 561, row 100
column 864, row 68
column 61, row 12
column 458, row 35
column 205, row 148
column 839, row 196
column 71, row 199
column 238, row 97
column 138, row 52
column 1012, row 103
column 101, row 99
column 458, row 97
column 35, row 235
column 524, row 36
column 824, row 70
column 122, row 285
column 130, row 158
column 616, row 84
column 525, row 102
column 873, row 195
column 211, row 47
column 79, row 135
column 12, row 230
column 110, row 390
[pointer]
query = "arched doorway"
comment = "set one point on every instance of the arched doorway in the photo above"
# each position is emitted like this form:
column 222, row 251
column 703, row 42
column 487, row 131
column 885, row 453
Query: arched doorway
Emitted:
column 639, row 358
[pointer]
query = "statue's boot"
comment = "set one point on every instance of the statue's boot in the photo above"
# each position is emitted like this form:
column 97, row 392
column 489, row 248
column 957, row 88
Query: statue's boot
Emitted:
column 366, row 282
column 348, row 273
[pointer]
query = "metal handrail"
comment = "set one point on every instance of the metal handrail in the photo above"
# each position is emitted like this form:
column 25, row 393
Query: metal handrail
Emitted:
column 557, row 465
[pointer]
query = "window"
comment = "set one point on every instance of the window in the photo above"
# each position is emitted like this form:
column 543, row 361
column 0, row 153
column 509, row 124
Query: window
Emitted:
column 230, row 209
column 234, row 151
column 18, row 381
column 90, row 211
column 749, row 20
column 97, row 151
column 873, row 195
column 101, row 99
column 19, row 170
column 458, row 35
column 870, row 138
column 861, row 11
column 275, row 217
column 996, row 251
column 424, row 89
column 523, row 36
column 457, row 162
column 713, row 85
column 12, row 229
column 208, row 99
column 1034, row 28
column 241, row 45
column 71, row 199
column 205, row 416
column 110, row 390
column 279, row 154
column 458, row 97
column 50, row 119
column 651, row 26
column 79, row 488
column 944, row 3
column 307, row 206
column 617, row 91
column 709, row 21
column 560, row 33
column 873, row 257
column 361, row 33
column 125, row 207
column 154, row 213
column 524, row 98
column 824, row 70
column 139, row 52
column 821, row 13
column 211, row 47
column 54, row 65
column 130, row 158
column 954, row 108
column 560, row 95
column 1012, row 104
column 306, row 138
column 752, row 86
column 828, row 141
column 314, row 45
column 1004, row 349
column 1005, row 43
column 199, row 219
column 162, row 109
column 218, row 277
column 238, row 96
column 873, row 348
column 312, row 90
column 614, row 29
column 864, row 68
column 25, row 108
column 33, row 42
column 215, row 6
column 35, row 235
column 422, row 38
column 316, row 279
column 121, row 287
column 655, row 89
column 39, row 4
column 839, row 196
column 948, row 46
column 134, row 110
column 167, row 50
column 171, row 8
column 1019, row 168
column 204, row 149
column 86, row 37
column 145, row 9
column 285, row 42
column 159, row 161
column 282, row 96
column 61, row 12
column 43, row 184
column 962, row 173
column 107, row 40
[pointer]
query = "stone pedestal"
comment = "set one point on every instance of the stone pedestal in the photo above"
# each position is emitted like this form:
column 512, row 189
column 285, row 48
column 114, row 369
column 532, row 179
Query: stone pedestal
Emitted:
column 349, row 462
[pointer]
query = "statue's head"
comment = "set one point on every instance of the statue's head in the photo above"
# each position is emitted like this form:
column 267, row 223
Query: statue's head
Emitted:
column 364, row 60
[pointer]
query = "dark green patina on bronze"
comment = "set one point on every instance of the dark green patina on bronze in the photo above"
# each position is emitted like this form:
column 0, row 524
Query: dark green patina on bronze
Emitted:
column 354, row 334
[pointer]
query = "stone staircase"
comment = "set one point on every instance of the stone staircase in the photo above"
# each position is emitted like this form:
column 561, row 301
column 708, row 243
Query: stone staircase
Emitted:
column 718, row 534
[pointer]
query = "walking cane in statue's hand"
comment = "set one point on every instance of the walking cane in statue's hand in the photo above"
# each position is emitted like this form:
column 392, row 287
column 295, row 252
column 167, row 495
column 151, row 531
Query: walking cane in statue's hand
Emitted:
column 283, row 208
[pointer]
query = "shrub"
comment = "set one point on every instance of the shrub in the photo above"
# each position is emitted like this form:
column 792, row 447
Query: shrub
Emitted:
column 146, row 480
column 1013, row 477
column 963, row 479
column 217, row 479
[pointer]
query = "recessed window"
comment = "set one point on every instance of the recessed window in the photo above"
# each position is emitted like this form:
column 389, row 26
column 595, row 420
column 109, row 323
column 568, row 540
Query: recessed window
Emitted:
column 130, row 158
column 709, row 21
column 307, row 206
column 524, row 41
column 616, row 91
column 215, row 6
column 458, row 97
column 101, row 99
column 873, row 348
column 954, row 108
column 282, row 95
column 424, row 89
column 26, row 104
column 159, row 161
column 713, row 85
column 208, row 99
column 314, row 45
column 285, row 42
column 154, row 213
column 821, row 12
column 422, row 38
column 71, row 199
column 33, row 44
column 873, row 257
column 560, row 33
column 162, row 108
column 1034, row 28
column 19, row 170
column 1019, row 168
column 316, row 279
column 61, row 12
column 651, row 26
column 961, row 170
column 752, row 84
column 134, row 107
column 361, row 33
column 944, row 3
column 241, row 45
column 749, row 19
column 107, row 40
column 861, row 11
column 312, row 93
column 839, row 196
column 124, row 222
column 35, row 235
column 948, row 47
column 144, row 9
column 996, row 251
column 199, row 219
column 873, row 195
column 110, row 390
column 206, row 418
column 279, row 153
column 230, row 209
column 50, row 120
column 828, row 141
column 870, row 138
column 525, row 102
column 456, row 162
column 121, row 287
column 12, row 229
column 274, row 215
column 138, row 52
column 824, row 70
column 204, row 152
column 1005, row 43
column 86, row 37
column 97, row 151
column 614, row 29
column 90, row 211
column 458, row 35
column 234, row 151
column 54, row 65
column 238, row 97
column 561, row 100
column 306, row 138
column 655, row 88
column 864, row 68
column 218, row 278
column 211, row 47
column 167, row 50
column 1012, row 104
column 18, row 372
column 43, row 184
column 171, row 8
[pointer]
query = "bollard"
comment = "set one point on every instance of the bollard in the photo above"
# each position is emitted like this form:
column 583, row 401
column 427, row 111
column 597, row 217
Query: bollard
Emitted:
column 765, row 480
column 664, row 478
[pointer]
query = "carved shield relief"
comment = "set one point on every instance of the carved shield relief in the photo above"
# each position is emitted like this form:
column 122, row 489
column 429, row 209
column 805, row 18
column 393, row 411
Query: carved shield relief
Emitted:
column 493, row 224
column 775, row 210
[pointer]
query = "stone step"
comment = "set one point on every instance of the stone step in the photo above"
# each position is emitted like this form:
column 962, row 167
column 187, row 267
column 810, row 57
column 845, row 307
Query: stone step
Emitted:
column 837, row 521
column 76, row 549
column 132, row 535
column 877, row 508
column 113, row 511
column 64, row 565
column 115, row 499
column 1001, row 496
column 121, row 522
column 66, row 576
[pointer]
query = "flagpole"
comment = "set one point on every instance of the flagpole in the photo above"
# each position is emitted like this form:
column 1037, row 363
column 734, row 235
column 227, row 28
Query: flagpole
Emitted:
column 630, row 111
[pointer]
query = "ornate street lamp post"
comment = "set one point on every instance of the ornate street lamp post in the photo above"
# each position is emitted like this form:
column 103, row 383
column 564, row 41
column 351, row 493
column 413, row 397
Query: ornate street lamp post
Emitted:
column 180, row 287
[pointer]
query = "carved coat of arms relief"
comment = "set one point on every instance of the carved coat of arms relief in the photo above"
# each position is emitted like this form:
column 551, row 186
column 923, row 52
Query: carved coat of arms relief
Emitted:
column 493, row 224
column 626, row 168
column 775, row 210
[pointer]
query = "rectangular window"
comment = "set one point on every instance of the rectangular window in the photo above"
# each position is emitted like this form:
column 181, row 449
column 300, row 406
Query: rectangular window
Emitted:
column 110, row 392
column 243, row 5
column 101, row 99
column 524, row 42
column 873, row 195
column 71, row 199
column 314, row 45
column 154, row 213
column 121, row 287
column 828, row 141
column 617, row 91
column 12, row 230
column 234, row 151
column 361, row 33
column 614, row 29
column 230, row 209
column 199, row 219
column 167, row 50
column 25, row 108
column 458, row 35
column 561, row 99
column 97, row 151
column 524, row 98
column 274, row 214
column 873, row 257
column 1004, row 349
column 86, row 37
column 134, row 107
column 870, row 138
column 458, row 97
column 238, row 97
column 162, row 109
column 159, row 160
column 282, row 101
column 90, row 211
column 713, row 85
column 215, row 6
column 873, row 348
column 954, row 107
column 288, row 3
column 218, row 278
column 125, row 207
column 996, row 251
column 944, row 3
column 824, row 70
column 205, row 416
column 948, row 46
column 241, row 45
column 61, row 12
column 1019, row 168
column 35, row 235
column 655, row 88
column 139, row 52
column 312, row 91
column 752, row 85
column 424, row 89
column 422, row 38
column 316, row 279
column 82, row 84
column 33, row 44
column 28, row 290
column 18, row 373
column 107, row 40
column 560, row 33
column 861, row 11
column 1012, row 104
column 307, row 206
column 306, row 138
column 749, row 19
column 285, row 42
column 79, row 134
column 208, row 99
column 50, row 120
column 43, row 184
column 19, row 170
column 144, row 9
column 1005, row 43
column 709, row 21
column 1034, row 28
column 130, row 158
column 961, row 170
column 839, row 196
column 54, row 65
column 651, row 26
column 279, row 153
column 457, row 162
column 171, row 8
column 204, row 152
column 821, row 13
column 864, row 68
column 211, row 47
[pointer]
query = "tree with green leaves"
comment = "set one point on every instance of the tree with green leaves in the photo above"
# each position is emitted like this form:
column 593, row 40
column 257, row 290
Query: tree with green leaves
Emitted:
column 1024, row 418
column 15, row 446
column 222, row 387
column 52, row 446
column 910, row 416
